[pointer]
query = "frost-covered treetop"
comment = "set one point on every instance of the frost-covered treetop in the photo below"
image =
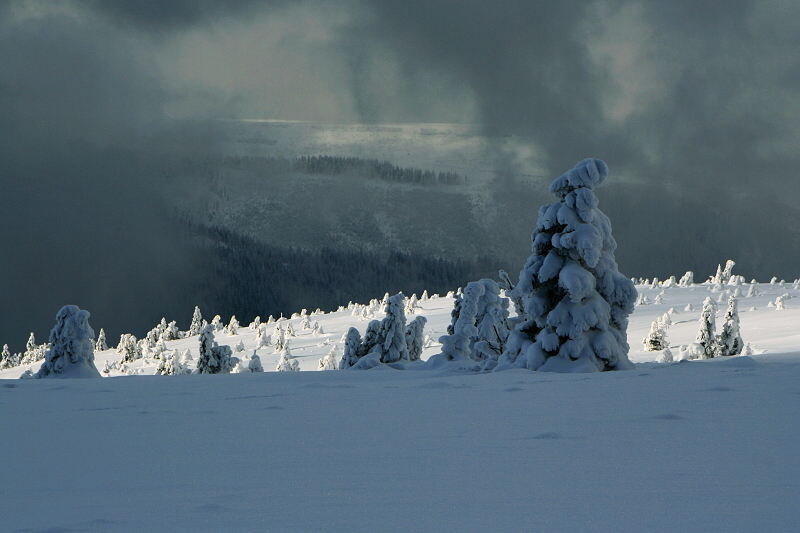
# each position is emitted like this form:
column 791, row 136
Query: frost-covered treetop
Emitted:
column 589, row 173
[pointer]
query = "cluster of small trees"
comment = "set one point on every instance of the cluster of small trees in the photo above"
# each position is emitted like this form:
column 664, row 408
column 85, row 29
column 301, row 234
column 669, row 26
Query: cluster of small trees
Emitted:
column 33, row 354
column 729, row 341
column 385, row 341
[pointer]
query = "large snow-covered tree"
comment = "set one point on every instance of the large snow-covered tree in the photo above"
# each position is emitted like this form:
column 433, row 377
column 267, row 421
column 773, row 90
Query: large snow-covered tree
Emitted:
column 575, row 301
column 71, row 352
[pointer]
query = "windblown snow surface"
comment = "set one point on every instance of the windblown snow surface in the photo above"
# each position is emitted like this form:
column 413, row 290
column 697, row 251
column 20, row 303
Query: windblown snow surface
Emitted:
column 687, row 446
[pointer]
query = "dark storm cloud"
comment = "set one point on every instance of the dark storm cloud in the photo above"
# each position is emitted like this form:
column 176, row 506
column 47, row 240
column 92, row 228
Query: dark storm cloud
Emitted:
column 176, row 14
column 530, row 64
column 80, row 219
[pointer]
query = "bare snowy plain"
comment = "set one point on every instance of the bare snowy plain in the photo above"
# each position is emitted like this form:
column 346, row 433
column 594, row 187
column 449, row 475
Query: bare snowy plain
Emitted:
column 686, row 446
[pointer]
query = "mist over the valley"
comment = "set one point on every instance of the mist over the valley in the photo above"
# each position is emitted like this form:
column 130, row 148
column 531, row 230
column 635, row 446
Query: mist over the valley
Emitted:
column 132, row 187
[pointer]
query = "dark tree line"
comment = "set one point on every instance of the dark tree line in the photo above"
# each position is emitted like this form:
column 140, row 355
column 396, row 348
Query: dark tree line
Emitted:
column 241, row 276
column 372, row 169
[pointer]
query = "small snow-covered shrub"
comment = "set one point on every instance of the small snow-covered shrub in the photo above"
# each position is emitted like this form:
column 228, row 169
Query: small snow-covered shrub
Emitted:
column 329, row 362
column 287, row 363
column 254, row 365
column 665, row 356
column 691, row 352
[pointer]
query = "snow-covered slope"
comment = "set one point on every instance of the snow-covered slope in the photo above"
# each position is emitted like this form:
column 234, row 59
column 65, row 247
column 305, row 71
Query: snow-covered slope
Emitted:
column 690, row 446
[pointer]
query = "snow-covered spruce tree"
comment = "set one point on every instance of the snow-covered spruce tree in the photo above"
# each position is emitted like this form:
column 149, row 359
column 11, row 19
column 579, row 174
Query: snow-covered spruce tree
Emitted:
column 730, row 340
column 372, row 338
column 197, row 323
column 412, row 304
column 101, row 345
column 415, row 338
column 576, row 303
column 30, row 348
column 278, row 338
column 393, row 331
column 71, row 353
column 233, row 326
column 352, row 347
column 6, row 359
column 213, row 358
column 708, row 324
column 656, row 340
column 462, row 331
column 480, row 324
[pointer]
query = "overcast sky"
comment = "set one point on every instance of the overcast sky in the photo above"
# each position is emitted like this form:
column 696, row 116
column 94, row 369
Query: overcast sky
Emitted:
column 704, row 95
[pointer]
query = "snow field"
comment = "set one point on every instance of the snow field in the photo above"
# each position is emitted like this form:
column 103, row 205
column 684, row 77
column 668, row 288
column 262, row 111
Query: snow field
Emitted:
column 689, row 446
column 693, row 446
